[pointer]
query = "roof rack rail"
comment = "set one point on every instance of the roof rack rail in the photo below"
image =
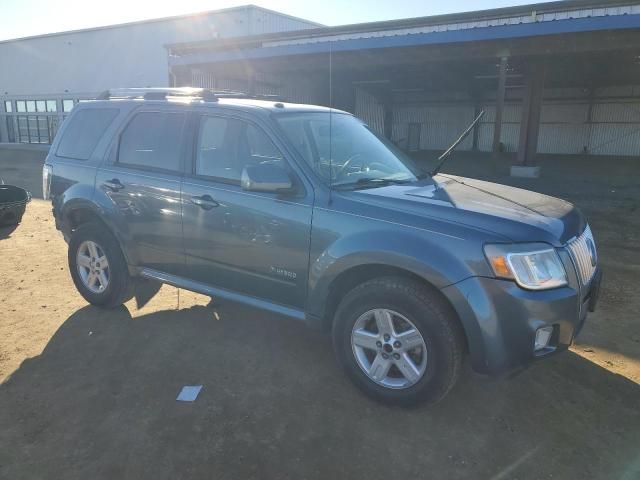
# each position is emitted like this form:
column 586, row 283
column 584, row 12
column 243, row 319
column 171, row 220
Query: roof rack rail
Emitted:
column 208, row 95
column 157, row 93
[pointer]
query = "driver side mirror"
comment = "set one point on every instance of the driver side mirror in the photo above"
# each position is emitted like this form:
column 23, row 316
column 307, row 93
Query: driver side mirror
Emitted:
column 266, row 177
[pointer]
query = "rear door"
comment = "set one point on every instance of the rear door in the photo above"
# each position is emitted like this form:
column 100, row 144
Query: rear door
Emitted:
column 142, row 178
column 253, row 243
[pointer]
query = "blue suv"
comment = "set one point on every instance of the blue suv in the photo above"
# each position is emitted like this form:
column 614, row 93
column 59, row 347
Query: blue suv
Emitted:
column 305, row 211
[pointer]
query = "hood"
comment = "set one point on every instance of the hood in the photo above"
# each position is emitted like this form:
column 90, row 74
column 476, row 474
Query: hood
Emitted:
column 516, row 214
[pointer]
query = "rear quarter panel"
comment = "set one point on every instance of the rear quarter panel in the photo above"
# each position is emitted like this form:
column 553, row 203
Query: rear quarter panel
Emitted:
column 73, row 181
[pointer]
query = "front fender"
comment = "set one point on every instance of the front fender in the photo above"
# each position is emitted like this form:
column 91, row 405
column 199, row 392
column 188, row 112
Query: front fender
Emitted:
column 422, row 253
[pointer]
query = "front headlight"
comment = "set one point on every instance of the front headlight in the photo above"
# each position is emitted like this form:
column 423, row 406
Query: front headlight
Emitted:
column 535, row 266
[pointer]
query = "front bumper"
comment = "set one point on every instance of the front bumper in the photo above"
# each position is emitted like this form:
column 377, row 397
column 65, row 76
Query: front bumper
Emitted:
column 501, row 319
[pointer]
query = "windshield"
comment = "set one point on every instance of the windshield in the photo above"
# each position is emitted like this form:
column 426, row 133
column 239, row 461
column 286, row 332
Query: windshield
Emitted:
column 344, row 151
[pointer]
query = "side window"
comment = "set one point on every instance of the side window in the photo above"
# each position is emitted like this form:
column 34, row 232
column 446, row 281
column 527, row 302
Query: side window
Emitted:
column 84, row 131
column 226, row 146
column 260, row 147
column 214, row 153
column 152, row 140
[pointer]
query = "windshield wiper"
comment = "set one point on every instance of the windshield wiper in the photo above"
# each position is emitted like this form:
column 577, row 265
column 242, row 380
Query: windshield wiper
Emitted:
column 371, row 182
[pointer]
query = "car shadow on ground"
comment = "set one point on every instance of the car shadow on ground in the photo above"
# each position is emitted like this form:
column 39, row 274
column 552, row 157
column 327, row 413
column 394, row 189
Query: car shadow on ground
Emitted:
column 99, row 402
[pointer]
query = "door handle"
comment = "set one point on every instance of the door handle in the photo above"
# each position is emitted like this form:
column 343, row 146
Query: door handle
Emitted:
column 205, row 202
column 113, row 184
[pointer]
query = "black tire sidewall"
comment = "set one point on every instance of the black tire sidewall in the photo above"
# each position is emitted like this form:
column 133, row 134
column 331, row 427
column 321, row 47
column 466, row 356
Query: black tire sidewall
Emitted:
column 431, row 321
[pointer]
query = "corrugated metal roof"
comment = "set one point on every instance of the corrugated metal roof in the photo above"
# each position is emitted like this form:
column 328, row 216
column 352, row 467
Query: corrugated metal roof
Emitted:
column 590, row 20
column 540, row 12
column 529, row 17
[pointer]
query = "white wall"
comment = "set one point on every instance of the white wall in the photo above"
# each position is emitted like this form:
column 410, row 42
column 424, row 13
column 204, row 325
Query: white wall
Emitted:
column 121, row 56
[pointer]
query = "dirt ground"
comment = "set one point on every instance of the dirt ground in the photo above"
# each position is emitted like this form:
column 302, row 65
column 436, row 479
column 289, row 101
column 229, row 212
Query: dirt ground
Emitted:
column 90, row 393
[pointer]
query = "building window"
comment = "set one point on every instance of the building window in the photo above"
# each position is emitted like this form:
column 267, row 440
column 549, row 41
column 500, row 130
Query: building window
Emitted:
column 51, row 106
column 8, row 107
column 21, row 106
column 41, row 106
column 67, row 105
column 31, row 105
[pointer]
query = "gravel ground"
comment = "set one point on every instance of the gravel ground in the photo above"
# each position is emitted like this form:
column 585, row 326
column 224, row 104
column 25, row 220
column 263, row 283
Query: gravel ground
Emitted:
column 89, row 393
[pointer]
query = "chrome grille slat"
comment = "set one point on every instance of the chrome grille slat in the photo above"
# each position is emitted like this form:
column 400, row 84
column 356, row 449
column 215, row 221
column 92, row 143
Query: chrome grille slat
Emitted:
column 581, row 254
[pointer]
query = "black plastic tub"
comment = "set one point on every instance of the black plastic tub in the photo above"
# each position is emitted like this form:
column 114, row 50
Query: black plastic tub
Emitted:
column 13, row 202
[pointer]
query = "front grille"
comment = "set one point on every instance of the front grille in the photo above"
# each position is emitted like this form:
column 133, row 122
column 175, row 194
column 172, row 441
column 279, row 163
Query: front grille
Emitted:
column 583, row 251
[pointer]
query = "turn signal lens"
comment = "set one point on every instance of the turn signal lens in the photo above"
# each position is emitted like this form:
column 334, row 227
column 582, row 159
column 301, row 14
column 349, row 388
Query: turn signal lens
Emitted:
column 500, row 267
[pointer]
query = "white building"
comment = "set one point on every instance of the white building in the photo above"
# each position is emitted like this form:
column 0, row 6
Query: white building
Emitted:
column 42, row 77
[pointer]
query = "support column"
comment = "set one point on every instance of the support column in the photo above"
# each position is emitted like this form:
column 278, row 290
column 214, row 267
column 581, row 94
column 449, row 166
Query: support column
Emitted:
column 502, row 83
column 478, row 103
column 4, row 133
column 530, row 123
column 587, row 147
column 388, row 119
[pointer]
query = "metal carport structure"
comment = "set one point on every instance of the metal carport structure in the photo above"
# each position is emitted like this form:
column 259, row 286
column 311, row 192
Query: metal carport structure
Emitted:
column 559, row 77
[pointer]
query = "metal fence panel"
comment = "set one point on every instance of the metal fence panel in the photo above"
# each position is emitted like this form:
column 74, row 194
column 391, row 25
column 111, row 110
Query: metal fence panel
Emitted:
column 369, row 110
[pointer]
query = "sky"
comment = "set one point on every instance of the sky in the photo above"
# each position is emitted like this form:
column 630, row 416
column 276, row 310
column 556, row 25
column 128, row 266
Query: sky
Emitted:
column 23, row 18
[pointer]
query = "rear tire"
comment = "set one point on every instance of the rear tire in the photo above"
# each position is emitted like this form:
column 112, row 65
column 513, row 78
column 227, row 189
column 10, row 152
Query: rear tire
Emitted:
column 107, row 284
column 418, row 361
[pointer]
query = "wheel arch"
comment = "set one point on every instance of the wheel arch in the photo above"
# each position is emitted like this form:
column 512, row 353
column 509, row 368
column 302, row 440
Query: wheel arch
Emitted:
column 350, row 278
column 80, row 212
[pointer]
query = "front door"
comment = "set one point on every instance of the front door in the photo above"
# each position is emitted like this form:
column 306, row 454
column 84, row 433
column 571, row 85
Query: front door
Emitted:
column 142, row 178
column 253, row 243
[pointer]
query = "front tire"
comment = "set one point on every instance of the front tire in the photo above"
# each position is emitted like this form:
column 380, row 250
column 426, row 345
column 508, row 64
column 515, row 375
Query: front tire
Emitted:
column 398, row 341
column 98, row 268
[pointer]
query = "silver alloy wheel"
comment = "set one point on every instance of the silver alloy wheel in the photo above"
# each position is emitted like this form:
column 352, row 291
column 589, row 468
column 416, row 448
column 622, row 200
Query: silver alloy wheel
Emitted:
column 389, row 348
column 93, row 266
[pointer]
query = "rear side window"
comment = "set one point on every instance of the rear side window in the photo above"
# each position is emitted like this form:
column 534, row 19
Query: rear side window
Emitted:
column 84, row 131
column 152, row 140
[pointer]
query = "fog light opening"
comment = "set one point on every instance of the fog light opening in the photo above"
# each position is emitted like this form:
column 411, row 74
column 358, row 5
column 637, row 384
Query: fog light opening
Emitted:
column 543, row 337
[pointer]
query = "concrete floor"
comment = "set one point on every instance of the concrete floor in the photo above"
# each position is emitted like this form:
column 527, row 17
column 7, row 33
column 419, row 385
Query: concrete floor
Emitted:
column 89, row 393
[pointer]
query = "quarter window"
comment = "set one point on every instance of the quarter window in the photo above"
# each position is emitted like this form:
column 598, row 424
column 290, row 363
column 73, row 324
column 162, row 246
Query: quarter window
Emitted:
column 226, row 146
column 84, row 132
column 152, row 140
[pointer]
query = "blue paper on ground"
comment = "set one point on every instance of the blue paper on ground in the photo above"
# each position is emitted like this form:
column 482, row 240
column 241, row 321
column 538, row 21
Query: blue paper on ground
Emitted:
column 189, row 393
